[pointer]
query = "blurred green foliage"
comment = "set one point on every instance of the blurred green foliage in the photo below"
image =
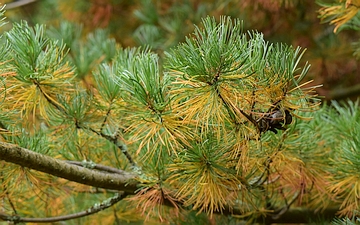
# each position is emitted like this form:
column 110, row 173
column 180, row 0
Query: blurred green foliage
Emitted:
column 162, row 24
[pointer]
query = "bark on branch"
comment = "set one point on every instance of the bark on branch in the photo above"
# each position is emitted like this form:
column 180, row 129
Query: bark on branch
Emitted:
column 26, row 158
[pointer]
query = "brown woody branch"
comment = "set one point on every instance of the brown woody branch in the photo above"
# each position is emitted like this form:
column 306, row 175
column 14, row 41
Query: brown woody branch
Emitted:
column 26, row 158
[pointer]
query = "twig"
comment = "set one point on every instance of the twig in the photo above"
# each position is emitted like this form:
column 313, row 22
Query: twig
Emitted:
column 106, row 117
column 48, row 98
column 232, row 109
column 92, row 165
column 16, row 4
column 117, row 142
column 92, row 210
column 7, row 195
column 281, row 211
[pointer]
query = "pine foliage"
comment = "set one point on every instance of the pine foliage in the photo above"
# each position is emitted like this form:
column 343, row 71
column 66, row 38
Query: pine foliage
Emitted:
column 224, row 122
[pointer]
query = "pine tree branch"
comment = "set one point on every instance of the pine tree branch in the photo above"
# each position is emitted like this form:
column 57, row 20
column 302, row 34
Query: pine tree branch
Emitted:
column 116, row 142
column 24, row 157
column 16, row 4
column 123, row 182
column 92, row 210
column 92, row 165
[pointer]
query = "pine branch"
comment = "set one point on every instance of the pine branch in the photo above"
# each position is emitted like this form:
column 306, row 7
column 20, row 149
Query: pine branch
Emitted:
column 92, row 165
column 123, row 182
column 248, row 74
column 16, row 4
column 116, row 142
column 92, row 210
column 24, row 157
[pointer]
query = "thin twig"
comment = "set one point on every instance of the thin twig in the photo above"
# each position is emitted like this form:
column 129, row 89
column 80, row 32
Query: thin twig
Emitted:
column 16, row 4
column 92, row 210
column 48, row 98
column 236, row 110
column 117, row 142
column 96, row 166
column 283, row 210
column 106, row 116
column 7, row 195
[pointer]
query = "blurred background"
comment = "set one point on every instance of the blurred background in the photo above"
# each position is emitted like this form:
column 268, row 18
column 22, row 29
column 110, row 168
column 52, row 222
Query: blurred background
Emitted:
column 163, row 24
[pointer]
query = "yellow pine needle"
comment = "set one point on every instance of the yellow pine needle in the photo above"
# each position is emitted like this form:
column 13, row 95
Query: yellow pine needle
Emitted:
column 241, row 148
column 211, row 194
column 304, row 84
column 52, row 100
column 343, row 14
column 33, row 98
column 233, row 76
column 233, row 107
column 203, row 109
column 206, row 187
column 348, row 190
column 169, row 132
